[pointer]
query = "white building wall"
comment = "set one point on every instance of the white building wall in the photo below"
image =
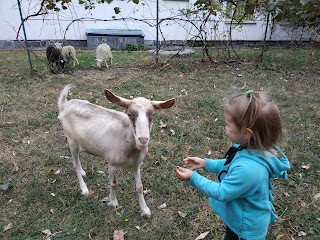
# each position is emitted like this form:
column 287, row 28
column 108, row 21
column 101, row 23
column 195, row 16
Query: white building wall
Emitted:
column 56, row 26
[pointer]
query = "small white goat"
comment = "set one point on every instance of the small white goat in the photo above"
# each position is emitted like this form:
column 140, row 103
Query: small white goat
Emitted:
column 121, row 138
column 58, row 45
column 68, row 52
column 103, row 54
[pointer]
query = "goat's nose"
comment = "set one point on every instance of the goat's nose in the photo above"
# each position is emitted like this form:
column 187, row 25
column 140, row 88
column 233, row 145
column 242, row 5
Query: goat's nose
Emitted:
column 143, row 140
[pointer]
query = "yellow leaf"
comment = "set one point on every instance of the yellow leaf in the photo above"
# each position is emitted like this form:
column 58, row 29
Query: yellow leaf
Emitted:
column 281, row 237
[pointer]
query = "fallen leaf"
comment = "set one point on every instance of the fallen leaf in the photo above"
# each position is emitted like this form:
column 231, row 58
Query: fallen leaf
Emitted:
column 162, row 206
column 47, row 232
column 50, row 171
column 281, row 237
column 172, row 132
column 302, row 234
column 138, row 228
column 118, row 235
column 147, row 191
column 15, row 167
column 286, row 194
column 162, row 125
column 209, row 152
column 163, row 158
column 182, row 214
column 6, row 228
column 303, row 204
column 317, row 196
column 202, row 235
column 306, row 166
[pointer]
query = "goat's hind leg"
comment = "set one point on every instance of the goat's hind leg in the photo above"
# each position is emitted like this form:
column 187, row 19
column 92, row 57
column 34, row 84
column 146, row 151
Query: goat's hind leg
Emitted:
column 145, row 211
column 74, row 148
column 113, row 202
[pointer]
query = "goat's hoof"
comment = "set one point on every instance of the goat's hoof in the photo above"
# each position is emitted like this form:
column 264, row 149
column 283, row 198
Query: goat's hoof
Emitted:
column 113, row 203
column 146, row 212
column 85, row 192
column 83, row 173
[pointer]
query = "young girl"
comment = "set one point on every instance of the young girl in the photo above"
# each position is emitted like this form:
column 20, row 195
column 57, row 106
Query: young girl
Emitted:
column 241, row 194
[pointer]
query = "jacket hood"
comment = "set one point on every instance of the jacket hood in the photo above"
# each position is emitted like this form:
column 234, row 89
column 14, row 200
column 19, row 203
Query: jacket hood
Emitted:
column 276, row 165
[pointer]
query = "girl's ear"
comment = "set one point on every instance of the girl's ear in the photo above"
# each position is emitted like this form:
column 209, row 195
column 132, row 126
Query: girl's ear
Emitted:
column 248, row 133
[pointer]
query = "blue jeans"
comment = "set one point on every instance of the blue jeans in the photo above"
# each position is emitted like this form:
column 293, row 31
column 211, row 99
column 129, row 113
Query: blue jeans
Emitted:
column 230, row 235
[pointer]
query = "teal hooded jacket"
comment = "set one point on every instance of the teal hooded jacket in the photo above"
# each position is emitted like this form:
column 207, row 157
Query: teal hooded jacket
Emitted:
column 243, row 197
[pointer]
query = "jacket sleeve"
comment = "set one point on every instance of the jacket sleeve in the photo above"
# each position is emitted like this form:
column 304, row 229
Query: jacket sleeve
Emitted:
column 213, row 165
column 241, row 182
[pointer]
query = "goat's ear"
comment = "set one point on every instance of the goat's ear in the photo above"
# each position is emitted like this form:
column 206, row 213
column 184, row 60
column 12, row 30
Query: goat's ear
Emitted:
column 116, row 100
column 163, row 104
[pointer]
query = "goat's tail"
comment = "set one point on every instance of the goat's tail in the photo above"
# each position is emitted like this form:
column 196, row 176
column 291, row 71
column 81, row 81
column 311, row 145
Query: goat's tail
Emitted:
column 63, row 97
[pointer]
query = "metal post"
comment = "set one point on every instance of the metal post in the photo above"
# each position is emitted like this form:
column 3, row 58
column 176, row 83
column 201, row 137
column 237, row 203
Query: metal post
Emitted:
column 25, row 36
column 157, row 35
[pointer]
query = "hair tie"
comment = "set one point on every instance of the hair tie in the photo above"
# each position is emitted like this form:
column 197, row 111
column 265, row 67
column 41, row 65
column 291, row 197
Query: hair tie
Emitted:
column 248, row 93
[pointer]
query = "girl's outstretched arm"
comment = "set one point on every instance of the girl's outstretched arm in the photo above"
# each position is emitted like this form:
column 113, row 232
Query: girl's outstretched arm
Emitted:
column 194, row 163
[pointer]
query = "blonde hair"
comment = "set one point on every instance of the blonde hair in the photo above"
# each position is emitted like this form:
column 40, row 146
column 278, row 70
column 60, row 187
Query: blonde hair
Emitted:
column 256, row 111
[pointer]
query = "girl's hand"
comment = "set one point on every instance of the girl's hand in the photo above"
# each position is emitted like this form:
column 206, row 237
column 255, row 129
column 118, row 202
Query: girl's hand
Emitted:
column 194, row 163
column 183, row 174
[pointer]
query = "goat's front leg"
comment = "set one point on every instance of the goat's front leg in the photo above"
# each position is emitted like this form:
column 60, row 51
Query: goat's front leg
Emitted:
column 113, row 184
column 145, row 211
column 74, row 148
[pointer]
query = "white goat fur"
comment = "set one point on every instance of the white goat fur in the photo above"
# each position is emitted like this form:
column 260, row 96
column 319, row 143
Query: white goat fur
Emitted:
column 103, row 54
column 68, row 52
column 122, row 139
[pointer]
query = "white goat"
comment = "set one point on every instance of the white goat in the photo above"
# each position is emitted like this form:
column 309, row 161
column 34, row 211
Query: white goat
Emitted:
column 121, row 138
column 68, row 52
column 58, row 45
column 103, row 54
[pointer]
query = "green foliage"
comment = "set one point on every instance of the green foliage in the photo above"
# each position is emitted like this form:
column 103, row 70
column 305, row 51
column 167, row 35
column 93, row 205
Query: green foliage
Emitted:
column 301, row 13
column 135, row 47
column 58, row 5
column 132, row 47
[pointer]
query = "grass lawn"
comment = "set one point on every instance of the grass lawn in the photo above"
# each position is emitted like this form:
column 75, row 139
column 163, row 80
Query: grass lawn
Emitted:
column 39, row 187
